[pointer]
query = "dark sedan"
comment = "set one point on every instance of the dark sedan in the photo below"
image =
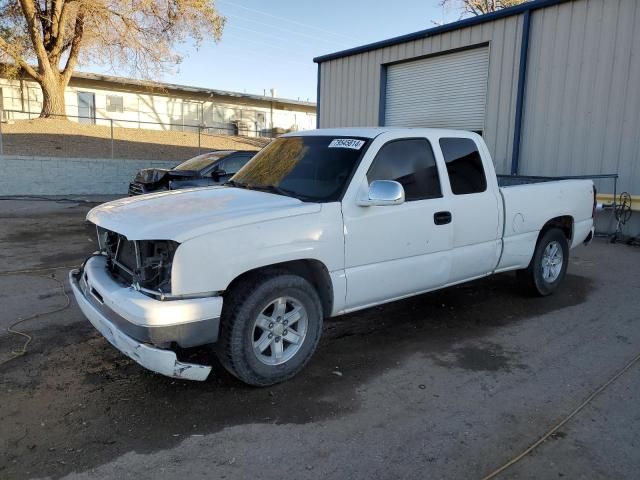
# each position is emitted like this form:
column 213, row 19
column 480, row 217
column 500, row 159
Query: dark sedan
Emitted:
column 211, row 168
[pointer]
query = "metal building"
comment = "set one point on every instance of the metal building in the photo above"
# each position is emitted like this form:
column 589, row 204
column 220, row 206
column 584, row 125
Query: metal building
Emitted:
column 552, row 85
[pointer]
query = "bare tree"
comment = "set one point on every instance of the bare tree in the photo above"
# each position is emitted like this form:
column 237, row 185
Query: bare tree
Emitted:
column 480, row 7
column 45, row 39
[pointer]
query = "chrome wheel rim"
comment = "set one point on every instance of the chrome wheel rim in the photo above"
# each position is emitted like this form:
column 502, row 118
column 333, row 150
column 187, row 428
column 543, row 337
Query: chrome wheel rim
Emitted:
column 552, row 262
column 279, row 330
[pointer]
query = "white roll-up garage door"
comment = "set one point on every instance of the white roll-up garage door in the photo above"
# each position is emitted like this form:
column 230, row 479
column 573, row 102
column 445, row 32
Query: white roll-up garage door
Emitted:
column 446, row 91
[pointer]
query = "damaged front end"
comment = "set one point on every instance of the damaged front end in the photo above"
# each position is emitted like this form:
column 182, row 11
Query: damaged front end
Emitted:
column 152, row 180
column 144, row 265
column 125, row 292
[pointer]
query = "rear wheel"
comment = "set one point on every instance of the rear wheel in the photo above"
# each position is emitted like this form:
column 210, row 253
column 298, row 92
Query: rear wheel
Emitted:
column 271, row 325
column 549, row 263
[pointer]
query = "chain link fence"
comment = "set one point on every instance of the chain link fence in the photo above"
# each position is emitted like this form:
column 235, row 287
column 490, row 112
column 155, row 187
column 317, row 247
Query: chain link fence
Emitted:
column 73, row 136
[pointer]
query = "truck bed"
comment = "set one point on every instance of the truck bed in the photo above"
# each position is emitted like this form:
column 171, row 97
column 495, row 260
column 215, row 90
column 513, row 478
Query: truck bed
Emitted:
column 529, row 202
column 513, row 180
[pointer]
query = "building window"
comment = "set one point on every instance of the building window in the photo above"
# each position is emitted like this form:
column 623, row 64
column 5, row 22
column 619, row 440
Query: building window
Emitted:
column 191, row 113
column 115, row 103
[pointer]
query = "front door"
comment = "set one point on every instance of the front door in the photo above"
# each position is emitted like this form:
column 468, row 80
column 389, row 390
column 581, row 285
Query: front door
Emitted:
column 87, row 107
column 399, row 250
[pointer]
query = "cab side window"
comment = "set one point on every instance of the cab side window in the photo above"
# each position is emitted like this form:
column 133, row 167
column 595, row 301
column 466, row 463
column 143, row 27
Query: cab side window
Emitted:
column 411, row 163
column 464, row 165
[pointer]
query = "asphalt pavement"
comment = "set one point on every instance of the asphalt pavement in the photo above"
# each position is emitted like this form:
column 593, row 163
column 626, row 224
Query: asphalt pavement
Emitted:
column 451, row 384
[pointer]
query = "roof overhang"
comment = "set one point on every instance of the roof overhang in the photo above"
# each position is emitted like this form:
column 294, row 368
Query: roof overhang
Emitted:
column 467, row 22
column 160, row 86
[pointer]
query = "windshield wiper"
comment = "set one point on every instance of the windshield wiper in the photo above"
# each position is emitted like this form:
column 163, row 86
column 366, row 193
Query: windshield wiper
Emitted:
column 268, row 188
column 280, row 191
column 233, row 183
column 272, row 189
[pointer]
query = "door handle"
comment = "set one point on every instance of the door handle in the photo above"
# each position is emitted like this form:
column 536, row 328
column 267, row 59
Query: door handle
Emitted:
column 442, row 218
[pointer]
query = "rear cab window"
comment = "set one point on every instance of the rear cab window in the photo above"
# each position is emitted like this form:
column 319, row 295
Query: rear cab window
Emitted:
column 464, row 166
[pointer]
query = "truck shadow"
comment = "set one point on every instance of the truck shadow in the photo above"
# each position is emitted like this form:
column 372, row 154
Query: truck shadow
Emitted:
column 98, row 405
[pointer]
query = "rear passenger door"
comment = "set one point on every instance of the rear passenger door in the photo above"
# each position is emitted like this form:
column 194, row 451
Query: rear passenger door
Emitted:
column 475, row 210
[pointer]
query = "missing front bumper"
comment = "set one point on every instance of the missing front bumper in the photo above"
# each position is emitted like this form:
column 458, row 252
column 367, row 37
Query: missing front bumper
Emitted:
column 155, row 359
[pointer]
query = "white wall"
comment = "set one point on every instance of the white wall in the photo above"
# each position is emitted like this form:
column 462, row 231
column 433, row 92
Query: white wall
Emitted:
column 70, row 176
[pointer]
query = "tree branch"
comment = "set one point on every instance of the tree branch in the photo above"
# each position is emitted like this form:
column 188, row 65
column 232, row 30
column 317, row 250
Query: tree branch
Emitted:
column 18, row 59
column 57, row 7
column 78, row 32
column 29, row 11
column 59, row 21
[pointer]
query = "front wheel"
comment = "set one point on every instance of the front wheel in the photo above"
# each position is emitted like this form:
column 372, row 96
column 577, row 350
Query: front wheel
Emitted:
column 271, row 325
column 549, row 264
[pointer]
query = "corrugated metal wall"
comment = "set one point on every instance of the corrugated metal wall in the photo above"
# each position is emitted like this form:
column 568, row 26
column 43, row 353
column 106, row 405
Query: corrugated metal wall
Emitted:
column 582, row 101
column 582, row 94
column 350, row 86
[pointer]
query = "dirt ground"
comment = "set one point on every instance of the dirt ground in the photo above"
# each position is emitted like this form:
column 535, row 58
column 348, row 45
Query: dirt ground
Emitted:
column 62, row 138
column 451, row 384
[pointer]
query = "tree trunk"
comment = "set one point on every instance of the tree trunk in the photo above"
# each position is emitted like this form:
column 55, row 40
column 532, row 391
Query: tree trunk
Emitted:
column 53, row 98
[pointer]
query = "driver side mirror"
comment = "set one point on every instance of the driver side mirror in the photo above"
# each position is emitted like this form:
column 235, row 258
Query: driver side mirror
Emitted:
column 383, row 193
column 217, row 175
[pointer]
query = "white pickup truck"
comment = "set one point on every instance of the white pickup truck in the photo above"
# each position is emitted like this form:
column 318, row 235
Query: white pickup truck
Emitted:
column 317, row 224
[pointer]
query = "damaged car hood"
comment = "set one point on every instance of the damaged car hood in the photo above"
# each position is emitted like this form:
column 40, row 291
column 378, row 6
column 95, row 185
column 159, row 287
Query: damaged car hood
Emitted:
column 150, row 176
column 183, row 214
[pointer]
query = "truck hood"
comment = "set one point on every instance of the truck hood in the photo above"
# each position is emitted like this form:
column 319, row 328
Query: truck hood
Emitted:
column 183, row 214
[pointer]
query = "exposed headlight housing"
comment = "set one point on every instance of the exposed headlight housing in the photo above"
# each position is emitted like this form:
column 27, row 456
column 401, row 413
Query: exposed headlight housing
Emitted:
column 143, row 264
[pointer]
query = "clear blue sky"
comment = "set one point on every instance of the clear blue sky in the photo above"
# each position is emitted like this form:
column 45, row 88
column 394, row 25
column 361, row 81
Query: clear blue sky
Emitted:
column 272, row 44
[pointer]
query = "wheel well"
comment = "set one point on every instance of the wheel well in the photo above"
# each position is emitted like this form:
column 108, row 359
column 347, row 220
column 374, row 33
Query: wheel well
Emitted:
column 313, row 271
column 564, row 223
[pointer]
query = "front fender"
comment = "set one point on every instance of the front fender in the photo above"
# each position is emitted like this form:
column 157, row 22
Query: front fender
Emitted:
column 211, row 262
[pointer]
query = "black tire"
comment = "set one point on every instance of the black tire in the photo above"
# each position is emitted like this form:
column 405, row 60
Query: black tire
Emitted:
column 242, row 306
column 532, row 277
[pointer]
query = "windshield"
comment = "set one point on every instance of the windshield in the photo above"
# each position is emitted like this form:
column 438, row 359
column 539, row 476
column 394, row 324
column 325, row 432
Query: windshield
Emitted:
column 201, row 161
column 311, row 168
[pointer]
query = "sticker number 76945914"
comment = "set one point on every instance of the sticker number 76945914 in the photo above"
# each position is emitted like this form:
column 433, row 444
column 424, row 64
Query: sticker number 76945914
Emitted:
column 351, row 143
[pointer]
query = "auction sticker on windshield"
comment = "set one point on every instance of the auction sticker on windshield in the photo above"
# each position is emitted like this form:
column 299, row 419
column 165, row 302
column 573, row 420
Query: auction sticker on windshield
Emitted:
column 351, row 143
